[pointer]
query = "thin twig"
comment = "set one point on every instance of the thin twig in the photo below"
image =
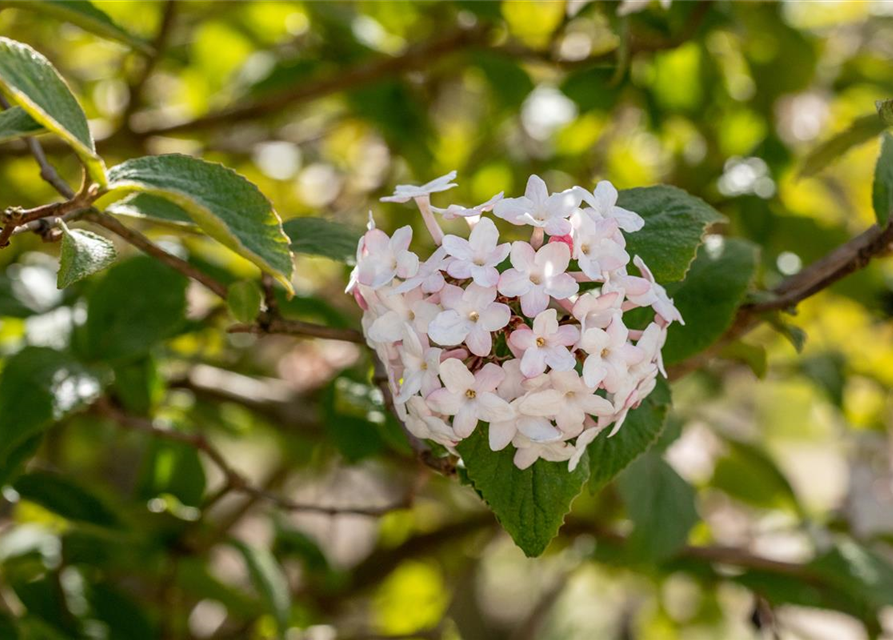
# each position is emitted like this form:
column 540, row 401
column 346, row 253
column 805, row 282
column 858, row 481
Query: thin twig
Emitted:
column 299, row 328
column 236, row 481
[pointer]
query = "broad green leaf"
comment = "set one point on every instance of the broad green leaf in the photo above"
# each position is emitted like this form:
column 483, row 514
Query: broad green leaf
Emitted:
column 30, row 81
column 83, row 253
column 123, row 616
column 270, row 582
column 321, row 237
column 176, row 469
column 17, row 458
column 882, row 191
column 709, row 296
column 509, row 82
column 675, row 222
column 347, row 408
column 139, row 303
column 46, row 604
column 60, row 495
column 244, row 299
column 754, row 356
column 859, row 132
column 138, row 386
column 609, row 456
column 16, row 123
column 530, row 504
column 225, row 205
column 661, row 505
column 295, row 543
column 143, row 205
column 747, row 473
column 85, row 15
column 885, row 111
column 40, row 386
column 591, row 88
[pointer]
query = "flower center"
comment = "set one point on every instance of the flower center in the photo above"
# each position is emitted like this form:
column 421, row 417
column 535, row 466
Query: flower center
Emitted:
column 473, row 316
column 584, row 248
column 605, row 352
column 479, row 262
column 541, row 342
column 535, row 278
column 471, row 393
column 411, row 315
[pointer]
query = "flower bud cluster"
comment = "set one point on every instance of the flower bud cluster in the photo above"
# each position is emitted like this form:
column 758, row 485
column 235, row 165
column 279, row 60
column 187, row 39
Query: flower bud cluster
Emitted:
column 529, row 336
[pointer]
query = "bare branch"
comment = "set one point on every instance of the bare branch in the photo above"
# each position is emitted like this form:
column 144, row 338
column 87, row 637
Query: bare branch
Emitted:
column 234, row 480
column 299, row 328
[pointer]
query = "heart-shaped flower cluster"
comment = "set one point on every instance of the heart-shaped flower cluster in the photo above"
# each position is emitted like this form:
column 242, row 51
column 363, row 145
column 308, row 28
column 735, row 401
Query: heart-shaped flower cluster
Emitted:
column 527, row 337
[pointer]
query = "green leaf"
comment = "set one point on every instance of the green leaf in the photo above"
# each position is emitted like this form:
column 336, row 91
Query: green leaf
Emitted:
column 754, row 356
column 661, row 505
column 123, row 616
column 721, row 274
column 139, row 303
column 675, row 222
column 244, row 299
column 610, row 456
column 882, row 191
column 40, row 386
column 138, row 386
column 175, row 469
column 859, row 132
column 85, row 15
column 224, row 204
column 16, row 123
column 747, row 473
column 510, row 83
column 530, row 504
column 321, row 237
column 29, row 80
column 885, row 111
column 143, row 205
column 65, row 498
column 591, row 88
column 270, row 582
column 83, row 253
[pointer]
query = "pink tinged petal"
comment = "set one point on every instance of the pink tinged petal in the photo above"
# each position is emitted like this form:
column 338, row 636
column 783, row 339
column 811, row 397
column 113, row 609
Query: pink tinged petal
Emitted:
column 570, row 419
column 412, row 384
column 465, row 420
column 559, row 358
column 424, row 312
column 523, row 256
column 580, row 448
column 376, row 241
column 491, row 408
column 433, row 283
column 449, row 328
column 456, row 376
column 459, row 269
column 558, row 227
column 594, row 371
column 484, row 236
column 478, row 297
column 538, row 429
column 444, row 401
column 525, row 457
column 458, row 247
column 401, row 239
column 451, row 296
column 511, row 209
column 596, row 405
column 567, row 335
column 500, row 253
column 534, row 302
column 484, row 276
column 387, row 328
column 555, row 256
column 536, row 190
column 407, row 264
column 479, row 341
column 629, row 221
column 533, row 362
column 522, row 338
column 631, row 355
column 513, row 283
column 542, row 403
column 617, row 331
column 562, row 286
column 500, row 434
column 546, row 323
column 488, row 378
column 495, row 316
column 619, row 423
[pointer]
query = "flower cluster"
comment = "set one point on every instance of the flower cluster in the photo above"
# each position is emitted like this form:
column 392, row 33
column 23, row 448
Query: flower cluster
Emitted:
column 528, row 337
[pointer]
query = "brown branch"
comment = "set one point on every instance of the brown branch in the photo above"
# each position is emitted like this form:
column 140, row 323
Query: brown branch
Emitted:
column 299, row 328
column 843, row 261
column 148, row 247
column 233, row 479
column 415, row 57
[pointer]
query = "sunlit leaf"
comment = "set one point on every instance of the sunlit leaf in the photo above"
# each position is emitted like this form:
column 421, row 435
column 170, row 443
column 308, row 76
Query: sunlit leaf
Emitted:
column 83, row 254
column 270, row 582
column 16, row 123
column 882, row 192
column 60, row 495
column 322, row 237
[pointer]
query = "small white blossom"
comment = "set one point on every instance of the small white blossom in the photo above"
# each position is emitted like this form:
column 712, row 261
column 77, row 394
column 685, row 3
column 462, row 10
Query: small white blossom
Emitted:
column 380, row 258
column 420, row 366
column 569, row 400
column 469, row 397
column 646, row 292
column 598, row 246
column 528, row 451
column 428, row 276
column 477, row 257
column 537, row 275
column 458, row 211
column 540, row 209
column 597, row 309
column 610, row 355
column 546, row 344
column 407, row 192
column 396, row 311
column 532, row 426
column 469, row 316
column 424, row 423
column 603, row 205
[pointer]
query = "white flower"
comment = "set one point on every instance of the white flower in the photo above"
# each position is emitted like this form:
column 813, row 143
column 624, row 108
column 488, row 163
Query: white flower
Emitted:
column 380, row 258
column 478, row 256
column 610, row 355
column 603, row 204
column 546, row 344
column 512, row 386
column 527, row 451
column 470, row 316
column 539, row 209
column 646, row 292
column 428, row 276
column 423, row 423
column 536, row 275
column 569, row 400
column 580, row 446
column 407, row 192
column 420, row 365
column 598, row 246
column 651, row 342
column 396, row 311
column 597, row 309
column 469, row 397
column 458, row 211
column 534, row 427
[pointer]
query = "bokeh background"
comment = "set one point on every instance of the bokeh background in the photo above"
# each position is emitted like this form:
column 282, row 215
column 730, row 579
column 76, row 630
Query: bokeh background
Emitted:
column 785, row 450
